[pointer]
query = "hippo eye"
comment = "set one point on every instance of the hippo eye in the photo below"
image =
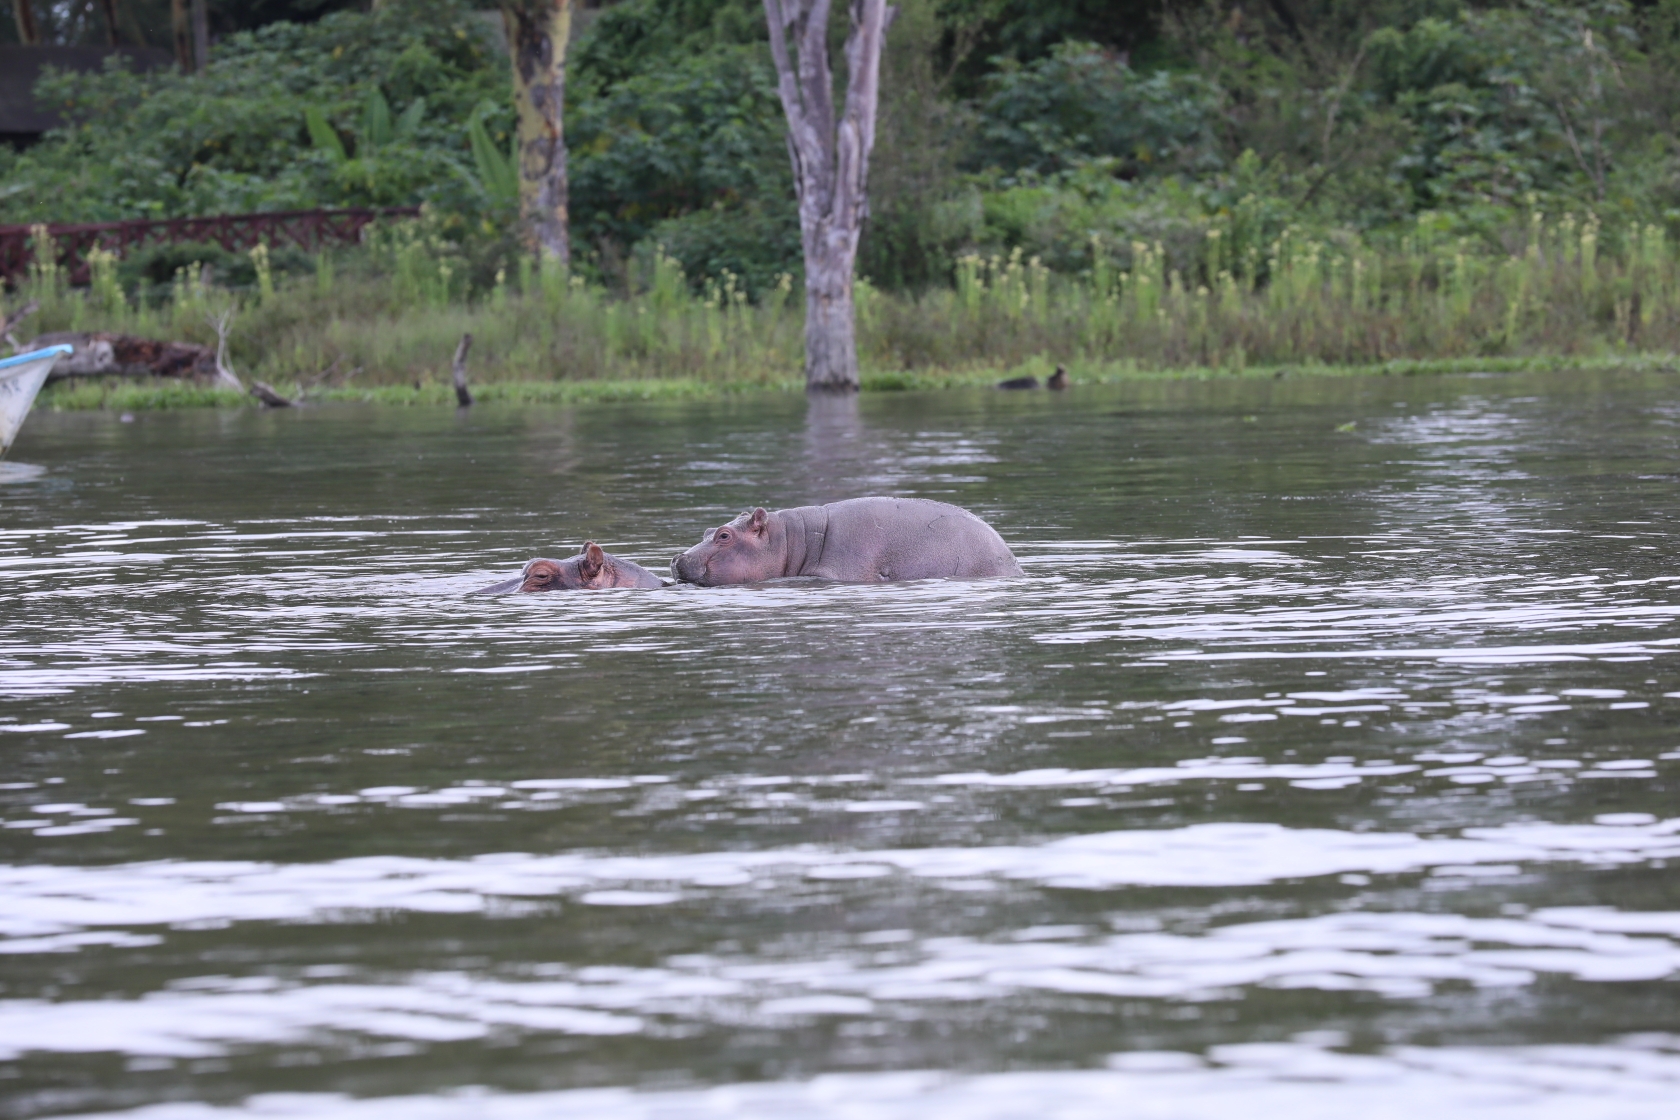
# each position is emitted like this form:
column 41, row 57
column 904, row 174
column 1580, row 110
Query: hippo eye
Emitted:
column 722, row 537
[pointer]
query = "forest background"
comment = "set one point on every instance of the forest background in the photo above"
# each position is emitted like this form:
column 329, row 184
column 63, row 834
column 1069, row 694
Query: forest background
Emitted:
column 1122, row 186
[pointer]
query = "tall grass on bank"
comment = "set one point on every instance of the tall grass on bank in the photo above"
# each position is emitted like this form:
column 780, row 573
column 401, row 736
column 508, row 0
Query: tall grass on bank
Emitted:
column 1307, row 300
column 392, row 317
column 395, row 316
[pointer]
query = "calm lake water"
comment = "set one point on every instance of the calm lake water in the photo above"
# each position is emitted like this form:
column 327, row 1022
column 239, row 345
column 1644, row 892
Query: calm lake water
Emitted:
column 1325, row 763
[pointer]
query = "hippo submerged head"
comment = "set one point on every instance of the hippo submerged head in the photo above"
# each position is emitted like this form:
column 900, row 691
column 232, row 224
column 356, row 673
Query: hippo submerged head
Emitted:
column 743, row 551
column 590, row 570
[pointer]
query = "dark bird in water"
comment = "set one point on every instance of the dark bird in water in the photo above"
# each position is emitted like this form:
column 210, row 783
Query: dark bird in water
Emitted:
column 1058, row 380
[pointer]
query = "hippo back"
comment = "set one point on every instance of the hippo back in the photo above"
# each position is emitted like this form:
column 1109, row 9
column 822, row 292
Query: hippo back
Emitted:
column 881, row 539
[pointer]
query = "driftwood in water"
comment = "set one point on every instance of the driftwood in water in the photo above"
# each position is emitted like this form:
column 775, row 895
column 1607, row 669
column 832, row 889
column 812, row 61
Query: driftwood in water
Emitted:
column 264, row 392
column 99, row 352
column 463, row 396
column 222, row 324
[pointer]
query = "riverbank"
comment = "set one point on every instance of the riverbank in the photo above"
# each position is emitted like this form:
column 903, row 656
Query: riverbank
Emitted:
column 1434, row 304
column 135, row 395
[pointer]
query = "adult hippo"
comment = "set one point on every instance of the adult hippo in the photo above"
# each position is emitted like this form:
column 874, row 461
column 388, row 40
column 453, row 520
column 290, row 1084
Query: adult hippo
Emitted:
column 590, row 570
column 864, row 540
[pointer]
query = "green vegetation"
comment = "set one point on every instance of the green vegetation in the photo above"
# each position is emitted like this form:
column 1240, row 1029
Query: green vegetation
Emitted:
column 1213, row 187
column 285, row 118
column 128, row 396
column 1301, row 303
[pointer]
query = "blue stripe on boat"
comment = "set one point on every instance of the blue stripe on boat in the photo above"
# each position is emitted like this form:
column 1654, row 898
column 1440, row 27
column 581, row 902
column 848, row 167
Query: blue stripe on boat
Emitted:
column 32, row 355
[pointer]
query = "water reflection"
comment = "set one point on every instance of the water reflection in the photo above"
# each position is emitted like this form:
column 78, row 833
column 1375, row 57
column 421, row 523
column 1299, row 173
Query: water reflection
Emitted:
column 839, row 455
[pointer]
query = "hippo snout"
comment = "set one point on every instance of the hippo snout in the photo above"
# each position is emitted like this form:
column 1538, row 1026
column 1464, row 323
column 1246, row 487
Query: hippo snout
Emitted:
column 688, row 569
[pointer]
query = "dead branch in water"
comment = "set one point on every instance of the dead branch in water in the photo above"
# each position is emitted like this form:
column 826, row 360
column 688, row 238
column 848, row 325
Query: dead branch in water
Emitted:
column 222, row 323
column 7, row 322
column 264, row 392
column 462, row 395
column 307, row 387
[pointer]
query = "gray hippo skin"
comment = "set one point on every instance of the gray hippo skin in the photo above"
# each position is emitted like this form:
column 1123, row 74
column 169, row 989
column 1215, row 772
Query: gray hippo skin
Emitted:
column 589, row 570
column 864, row 540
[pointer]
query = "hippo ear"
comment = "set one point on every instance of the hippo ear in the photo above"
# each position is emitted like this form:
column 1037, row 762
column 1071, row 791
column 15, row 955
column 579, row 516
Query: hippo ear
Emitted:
column 593, row 560
column 760, row 519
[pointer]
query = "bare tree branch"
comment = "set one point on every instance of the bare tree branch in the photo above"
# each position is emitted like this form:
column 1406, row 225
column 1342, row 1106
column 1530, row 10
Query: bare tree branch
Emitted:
column 264, row 392
column 1575, row 146
column 8, row 323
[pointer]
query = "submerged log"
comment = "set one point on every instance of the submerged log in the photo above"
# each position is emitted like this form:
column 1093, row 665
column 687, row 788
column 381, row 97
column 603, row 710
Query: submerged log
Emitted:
column 99, row 353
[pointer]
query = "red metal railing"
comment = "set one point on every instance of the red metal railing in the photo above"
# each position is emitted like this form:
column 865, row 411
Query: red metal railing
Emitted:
column 307, row 229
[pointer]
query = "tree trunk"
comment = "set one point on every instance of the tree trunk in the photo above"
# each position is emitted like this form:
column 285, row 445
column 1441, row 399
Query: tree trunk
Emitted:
column 131, row 25
column 24, row 12
column 108, row 8
column 183, row 35
column 537, row 35
column 830, row 167
column 830, row 318
column 201, row 35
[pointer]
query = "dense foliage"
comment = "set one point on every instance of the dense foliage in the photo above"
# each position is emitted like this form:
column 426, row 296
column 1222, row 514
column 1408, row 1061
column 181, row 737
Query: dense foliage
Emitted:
column 1070, row 130
column 390, row 93
column 1077, row 105
column 149, row 22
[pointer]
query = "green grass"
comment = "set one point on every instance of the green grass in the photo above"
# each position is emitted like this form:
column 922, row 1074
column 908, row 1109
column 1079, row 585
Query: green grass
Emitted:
column 126, row 395
column 553, row 392
column 1553, row 295
column 132, row 395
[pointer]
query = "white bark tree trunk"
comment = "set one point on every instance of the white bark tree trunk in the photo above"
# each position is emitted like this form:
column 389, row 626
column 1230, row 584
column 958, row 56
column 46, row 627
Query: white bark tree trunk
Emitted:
column 537, row 34
column 830, row 167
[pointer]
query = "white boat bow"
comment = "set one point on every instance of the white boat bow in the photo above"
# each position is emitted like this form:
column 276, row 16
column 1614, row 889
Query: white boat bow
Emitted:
column 21, row 377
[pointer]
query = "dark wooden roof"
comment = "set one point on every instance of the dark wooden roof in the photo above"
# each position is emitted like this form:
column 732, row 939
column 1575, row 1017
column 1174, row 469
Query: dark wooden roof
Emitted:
column 20, row 116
